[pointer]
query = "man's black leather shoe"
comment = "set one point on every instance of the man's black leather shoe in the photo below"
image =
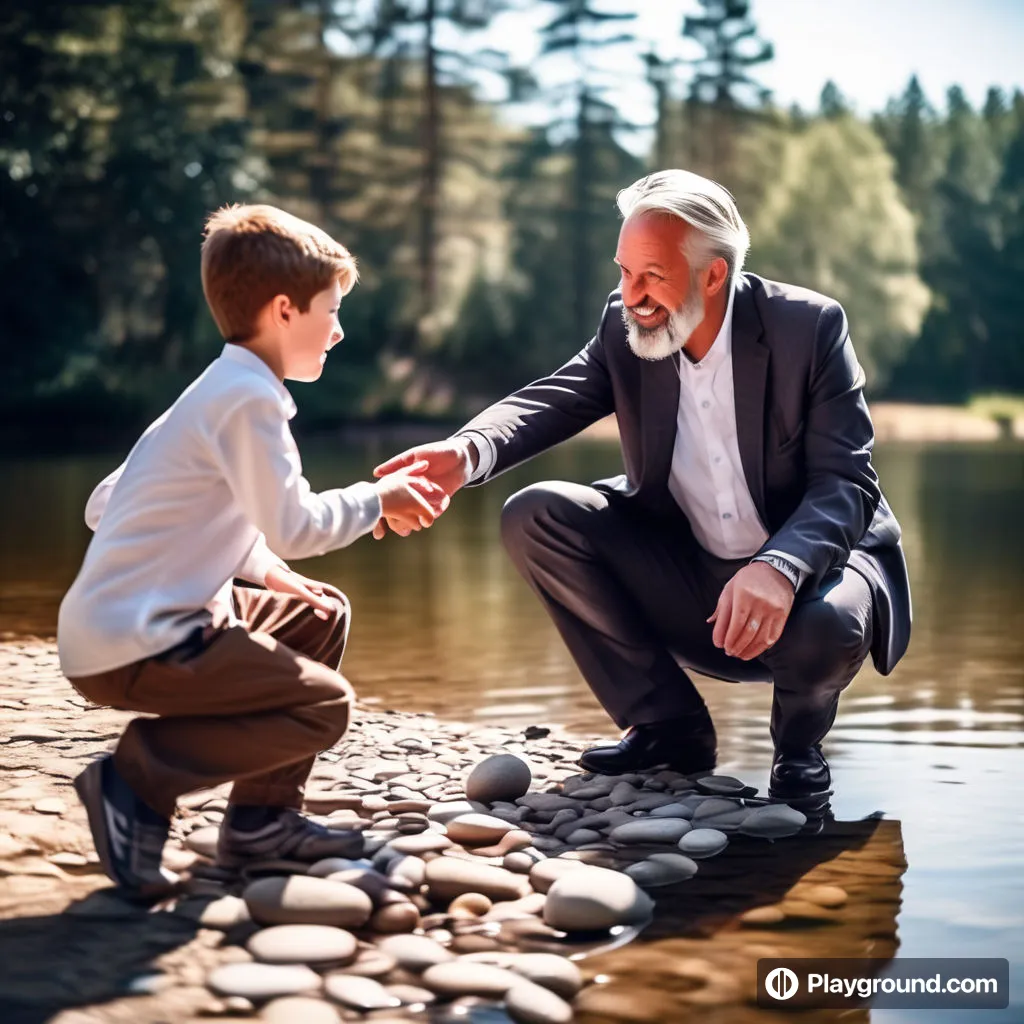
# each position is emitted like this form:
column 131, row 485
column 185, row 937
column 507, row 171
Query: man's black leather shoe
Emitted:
column 799, row 773
column 685, row 745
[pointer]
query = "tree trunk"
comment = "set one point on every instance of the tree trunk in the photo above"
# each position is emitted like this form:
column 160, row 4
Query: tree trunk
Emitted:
column 431, row 172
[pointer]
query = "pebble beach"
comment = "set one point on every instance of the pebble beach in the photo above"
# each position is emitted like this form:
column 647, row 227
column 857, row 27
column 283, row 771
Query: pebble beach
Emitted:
column 489, row 879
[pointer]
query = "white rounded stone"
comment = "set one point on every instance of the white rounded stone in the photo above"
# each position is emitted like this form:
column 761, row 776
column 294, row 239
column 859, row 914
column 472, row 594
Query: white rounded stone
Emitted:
column 302, row 944
column 477, row 829
column 262, row 981
column 363, row 994
column 544, row 873
column 299, row 1010
column 414, row 952
column 528, row 1003
column 448, row 877
column 465, row 978
column 595, row 899
column 300, row 899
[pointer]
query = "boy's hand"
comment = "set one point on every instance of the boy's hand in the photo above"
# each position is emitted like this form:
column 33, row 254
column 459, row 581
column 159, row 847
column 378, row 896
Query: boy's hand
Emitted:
column 443, row 463
column 282, row 580
column 408, row 500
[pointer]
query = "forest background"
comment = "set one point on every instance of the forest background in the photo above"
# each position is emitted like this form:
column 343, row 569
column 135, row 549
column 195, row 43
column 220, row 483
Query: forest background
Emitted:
column 477, row 195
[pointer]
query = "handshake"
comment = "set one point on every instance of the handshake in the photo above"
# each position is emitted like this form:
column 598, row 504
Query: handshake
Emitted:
column 417, row 486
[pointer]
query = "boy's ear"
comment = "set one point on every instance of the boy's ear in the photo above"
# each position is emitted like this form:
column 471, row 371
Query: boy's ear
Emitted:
column 282, row 311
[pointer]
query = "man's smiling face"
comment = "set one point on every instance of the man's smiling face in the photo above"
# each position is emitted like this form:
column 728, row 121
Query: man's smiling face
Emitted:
column 662, row 302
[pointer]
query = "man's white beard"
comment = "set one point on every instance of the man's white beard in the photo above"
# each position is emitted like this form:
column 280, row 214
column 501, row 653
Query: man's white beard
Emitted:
column 655, row 343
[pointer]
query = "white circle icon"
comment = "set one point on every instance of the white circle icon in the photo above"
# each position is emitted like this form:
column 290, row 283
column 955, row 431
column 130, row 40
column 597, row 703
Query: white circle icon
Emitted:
column 782, row 983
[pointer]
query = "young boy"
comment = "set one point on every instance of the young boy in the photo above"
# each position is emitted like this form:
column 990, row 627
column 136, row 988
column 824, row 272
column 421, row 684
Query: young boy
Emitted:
column 243, row 682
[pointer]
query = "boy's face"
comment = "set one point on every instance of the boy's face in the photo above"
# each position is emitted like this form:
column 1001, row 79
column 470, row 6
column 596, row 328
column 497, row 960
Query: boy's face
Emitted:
column 311, row 335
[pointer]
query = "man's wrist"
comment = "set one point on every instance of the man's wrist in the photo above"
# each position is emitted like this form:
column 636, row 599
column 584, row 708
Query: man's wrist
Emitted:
column 782, row 566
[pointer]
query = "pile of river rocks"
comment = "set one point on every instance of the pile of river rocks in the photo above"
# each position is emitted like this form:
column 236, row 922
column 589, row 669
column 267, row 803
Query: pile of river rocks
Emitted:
column 462, row 884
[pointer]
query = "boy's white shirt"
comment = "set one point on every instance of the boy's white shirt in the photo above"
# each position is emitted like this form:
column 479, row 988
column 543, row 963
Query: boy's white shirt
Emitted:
column 211, row 491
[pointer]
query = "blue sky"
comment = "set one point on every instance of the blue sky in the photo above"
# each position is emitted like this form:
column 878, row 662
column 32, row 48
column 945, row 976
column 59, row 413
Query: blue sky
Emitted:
column 869, row 48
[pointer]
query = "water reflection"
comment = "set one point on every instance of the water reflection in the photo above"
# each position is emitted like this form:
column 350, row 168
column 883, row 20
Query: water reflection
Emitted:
column 443, row 624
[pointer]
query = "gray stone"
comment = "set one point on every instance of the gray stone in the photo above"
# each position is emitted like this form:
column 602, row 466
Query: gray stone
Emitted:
column 673, row 810
column 721, row 785
column 222, row 914
column 662, row 869
column 773, row 821
column 262, row 981
column 303, row 944
column 363, row 994
column 299, row 1010
column 414, row 952
column 650, row 830
column 301, row 899
column 720, row 813
column 501, row 777
column 583, row 835
column 595, row 899
column 528, row 1003
column 703, row 842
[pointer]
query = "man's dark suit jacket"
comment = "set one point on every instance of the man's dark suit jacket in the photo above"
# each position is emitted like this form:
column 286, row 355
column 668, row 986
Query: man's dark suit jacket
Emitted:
column 805, row 436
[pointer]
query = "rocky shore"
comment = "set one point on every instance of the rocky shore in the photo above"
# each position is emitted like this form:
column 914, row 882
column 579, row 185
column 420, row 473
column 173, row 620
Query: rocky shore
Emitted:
column 488, row 880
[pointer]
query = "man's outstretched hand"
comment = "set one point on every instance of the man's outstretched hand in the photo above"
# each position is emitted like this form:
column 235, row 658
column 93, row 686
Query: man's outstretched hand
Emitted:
column 752, row 611
column 443, row 463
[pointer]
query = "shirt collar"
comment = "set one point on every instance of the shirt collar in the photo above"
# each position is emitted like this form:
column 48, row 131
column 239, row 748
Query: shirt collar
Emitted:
column 721, row 347
column 243, row 357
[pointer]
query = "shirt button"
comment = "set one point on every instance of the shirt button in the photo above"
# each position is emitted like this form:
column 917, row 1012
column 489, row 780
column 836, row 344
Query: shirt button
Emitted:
column 717, row 459
column 727, row 515
column 705, row 404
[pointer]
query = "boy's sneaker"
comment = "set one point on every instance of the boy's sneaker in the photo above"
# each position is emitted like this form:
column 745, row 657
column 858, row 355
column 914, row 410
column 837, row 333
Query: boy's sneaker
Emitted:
column 289, row 836
column 129, row 836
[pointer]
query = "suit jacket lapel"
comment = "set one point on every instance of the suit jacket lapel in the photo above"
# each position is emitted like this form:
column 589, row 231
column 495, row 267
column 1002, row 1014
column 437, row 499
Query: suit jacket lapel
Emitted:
column 750, row 379
column 659, row 384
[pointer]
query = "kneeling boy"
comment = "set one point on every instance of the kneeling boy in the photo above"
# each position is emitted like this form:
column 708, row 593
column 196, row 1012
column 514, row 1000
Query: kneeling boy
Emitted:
column 243, row 682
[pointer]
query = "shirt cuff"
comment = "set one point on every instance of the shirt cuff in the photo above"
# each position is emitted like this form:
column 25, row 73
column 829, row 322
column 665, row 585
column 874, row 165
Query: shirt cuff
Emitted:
column 259, row 562
column 487, row 455
column 367, row 498
column 804, row 569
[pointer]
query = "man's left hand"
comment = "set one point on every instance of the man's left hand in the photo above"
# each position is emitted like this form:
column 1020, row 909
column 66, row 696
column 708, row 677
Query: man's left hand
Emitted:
column 752, row 611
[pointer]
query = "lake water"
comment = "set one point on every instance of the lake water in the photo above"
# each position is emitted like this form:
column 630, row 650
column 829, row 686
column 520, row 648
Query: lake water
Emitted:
column 443, row 624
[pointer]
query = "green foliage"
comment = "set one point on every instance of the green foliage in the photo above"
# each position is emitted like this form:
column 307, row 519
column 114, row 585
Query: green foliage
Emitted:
column 485, row 248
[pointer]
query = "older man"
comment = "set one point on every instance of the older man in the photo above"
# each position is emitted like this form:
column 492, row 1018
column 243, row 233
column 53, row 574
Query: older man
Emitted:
column 748, row 538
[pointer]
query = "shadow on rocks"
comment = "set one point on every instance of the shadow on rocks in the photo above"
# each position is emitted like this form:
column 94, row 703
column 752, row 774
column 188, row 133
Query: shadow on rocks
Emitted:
column 90, row 954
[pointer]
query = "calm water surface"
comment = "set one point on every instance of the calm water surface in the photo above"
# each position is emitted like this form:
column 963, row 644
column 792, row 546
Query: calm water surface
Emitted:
column 443, row 624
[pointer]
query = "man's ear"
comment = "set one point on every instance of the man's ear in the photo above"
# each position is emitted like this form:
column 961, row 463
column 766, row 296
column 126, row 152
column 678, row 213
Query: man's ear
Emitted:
column 717, row 274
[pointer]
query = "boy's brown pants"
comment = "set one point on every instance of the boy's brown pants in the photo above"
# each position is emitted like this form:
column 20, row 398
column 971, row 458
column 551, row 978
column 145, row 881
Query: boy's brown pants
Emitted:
column 252, row 704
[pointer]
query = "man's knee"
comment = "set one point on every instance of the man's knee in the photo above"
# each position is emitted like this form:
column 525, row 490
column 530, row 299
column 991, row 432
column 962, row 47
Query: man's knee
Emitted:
column 823, row 645
column 546, row 502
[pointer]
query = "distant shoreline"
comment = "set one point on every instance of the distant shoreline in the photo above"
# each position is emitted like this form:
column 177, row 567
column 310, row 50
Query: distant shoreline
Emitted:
column 901, row 421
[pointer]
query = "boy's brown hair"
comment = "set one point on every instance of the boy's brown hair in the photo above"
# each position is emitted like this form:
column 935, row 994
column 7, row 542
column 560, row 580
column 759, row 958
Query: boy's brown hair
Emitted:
column 252, row 253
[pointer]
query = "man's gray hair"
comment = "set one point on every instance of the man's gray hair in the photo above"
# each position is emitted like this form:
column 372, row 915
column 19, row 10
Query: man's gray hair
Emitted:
column 703, row 204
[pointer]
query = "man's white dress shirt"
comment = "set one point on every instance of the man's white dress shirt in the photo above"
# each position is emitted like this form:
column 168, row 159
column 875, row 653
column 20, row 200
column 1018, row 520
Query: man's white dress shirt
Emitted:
column 706, row 476
column 209, row 492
